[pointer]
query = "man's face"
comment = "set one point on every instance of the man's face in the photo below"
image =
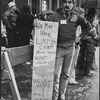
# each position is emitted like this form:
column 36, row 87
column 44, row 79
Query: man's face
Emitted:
column 14, row 8
column 67, row 5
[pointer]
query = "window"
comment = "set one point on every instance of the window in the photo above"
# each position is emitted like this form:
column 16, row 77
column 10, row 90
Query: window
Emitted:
column 44, row 5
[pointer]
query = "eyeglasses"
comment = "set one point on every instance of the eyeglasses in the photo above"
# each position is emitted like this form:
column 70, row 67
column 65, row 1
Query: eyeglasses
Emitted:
column 68, row 2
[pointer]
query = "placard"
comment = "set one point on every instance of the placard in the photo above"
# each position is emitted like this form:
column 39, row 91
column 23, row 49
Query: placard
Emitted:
column 45, row 43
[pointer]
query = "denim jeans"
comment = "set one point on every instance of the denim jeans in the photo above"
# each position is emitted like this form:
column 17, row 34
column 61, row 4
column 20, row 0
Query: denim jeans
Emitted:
column 64, row 59
column 74, row 62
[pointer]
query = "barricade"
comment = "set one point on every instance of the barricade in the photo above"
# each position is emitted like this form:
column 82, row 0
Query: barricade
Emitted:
column 11, row 57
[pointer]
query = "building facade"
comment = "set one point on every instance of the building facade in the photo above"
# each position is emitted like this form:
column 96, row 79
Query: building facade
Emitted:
column 37, row 6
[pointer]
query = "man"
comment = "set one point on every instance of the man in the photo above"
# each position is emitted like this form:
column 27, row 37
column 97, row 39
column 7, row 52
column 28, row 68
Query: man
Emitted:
column 77, row 49
column 68, row 22
column 87, row 51
column 24, row 24
column 9, row 20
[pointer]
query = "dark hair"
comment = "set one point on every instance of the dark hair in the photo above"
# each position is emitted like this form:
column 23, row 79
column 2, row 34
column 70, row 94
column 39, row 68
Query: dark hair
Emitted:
column 91, row 12
column 26, row 9
column 91, row 15
column 65, row 1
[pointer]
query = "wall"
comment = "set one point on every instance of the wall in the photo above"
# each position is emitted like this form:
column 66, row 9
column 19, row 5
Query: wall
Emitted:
column 36, row 5
column 4, row 4
column 21, row 3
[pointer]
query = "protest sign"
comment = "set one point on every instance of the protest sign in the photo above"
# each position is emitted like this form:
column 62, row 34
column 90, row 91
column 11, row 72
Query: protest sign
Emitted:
column 45, row 43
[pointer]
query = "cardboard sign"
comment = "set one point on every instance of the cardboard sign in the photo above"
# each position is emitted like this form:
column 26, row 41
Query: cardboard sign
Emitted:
column 45, row 43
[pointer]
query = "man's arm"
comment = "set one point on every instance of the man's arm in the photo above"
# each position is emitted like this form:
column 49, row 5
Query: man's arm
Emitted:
column 88, row 29
column 94, row 35
column 6, row 19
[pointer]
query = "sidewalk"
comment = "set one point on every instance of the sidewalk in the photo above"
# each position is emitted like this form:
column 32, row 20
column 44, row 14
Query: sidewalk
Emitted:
column 87, row 89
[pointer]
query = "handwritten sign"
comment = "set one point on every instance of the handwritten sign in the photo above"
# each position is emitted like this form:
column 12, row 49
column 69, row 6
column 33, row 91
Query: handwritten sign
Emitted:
column 45, row 43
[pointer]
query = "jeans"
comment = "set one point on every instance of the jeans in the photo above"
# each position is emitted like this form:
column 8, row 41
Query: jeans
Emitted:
column 89, row 57
column 74, row 62
column 64, row 59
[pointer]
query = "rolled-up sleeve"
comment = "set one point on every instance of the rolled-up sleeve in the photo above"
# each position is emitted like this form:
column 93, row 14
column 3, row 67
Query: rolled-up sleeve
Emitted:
column 87, row 29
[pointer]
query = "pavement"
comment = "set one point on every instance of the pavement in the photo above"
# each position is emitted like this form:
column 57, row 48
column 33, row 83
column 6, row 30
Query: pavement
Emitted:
column 87, row 89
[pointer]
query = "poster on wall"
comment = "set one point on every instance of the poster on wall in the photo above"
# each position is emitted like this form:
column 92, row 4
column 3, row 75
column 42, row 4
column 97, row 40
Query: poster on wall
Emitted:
column 44, row 57
column 44, row 5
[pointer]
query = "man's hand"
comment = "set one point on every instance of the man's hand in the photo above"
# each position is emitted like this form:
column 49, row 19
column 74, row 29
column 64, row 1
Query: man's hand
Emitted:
column 35, row 24
column 77, row 40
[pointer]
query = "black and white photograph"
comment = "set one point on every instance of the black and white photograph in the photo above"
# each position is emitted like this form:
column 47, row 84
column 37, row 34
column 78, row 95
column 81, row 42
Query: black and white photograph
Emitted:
column 50, row 49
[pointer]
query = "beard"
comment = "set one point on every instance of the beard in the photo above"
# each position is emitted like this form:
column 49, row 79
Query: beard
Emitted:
column 67, row 9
